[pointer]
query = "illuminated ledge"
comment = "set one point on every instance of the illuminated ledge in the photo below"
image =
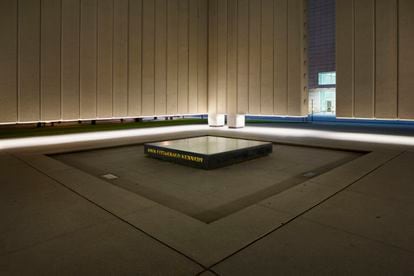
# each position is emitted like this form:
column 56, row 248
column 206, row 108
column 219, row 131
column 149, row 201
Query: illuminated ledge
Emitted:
column 207, row 152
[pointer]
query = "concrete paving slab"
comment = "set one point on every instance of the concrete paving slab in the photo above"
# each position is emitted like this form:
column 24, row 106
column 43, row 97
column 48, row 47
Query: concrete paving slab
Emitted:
column 393, row 181
column 354, row 170
column 95, row 189
column 30, row 222
column 34, row 208
column 207, row 243
column 112, row 248
column 19, row 181
column 388, row 221
column 307, row 248
column 299, row 198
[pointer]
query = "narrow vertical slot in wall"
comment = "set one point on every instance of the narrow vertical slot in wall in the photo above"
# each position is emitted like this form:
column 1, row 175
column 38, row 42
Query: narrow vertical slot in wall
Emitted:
column 322, row 57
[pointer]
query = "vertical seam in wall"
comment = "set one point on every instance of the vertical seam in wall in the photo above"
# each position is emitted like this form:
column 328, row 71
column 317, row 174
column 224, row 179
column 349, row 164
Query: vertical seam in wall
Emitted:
column 113, row 59
column 287, row 57
column 18, row 62
column 198, row 49
column 197, row 53
column 236, row 30
column 79, row 56
column 274, row 55
column 226, row 40
column 227, row 57
column 248, row 56
column 206, row 57
column 155, row 48
column 229, row 48
column 188, row 57
column 60, row 49
column 353, row 58
column 397, row 50
column 207, row 54
column 97, row 59
column 374, row 50
column 236, row 21
column 276, row 38
column 304, row 61
column 261, row 56
column 40, row 62
column 154, row 52
column 141, row 53
column 217, row 54
column 166, row 57
column 127, row 61
column 178, row 55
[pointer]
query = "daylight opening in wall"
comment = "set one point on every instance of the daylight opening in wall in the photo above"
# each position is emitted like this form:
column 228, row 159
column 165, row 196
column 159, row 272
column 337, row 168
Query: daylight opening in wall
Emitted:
column 322, row 65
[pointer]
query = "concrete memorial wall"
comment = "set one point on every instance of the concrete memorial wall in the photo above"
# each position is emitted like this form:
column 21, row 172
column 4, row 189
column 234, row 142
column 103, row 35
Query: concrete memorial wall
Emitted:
column 96, row 59
column 101, row 59
column 257, row 57
column 91, row 59
column 375, row 59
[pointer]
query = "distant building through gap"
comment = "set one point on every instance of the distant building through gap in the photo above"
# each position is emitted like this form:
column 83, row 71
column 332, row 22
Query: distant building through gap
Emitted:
column 322, row 66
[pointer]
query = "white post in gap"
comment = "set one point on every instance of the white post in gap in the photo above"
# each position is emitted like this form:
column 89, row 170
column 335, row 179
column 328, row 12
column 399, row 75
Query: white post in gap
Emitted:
column 216, row 120
column 236, row 120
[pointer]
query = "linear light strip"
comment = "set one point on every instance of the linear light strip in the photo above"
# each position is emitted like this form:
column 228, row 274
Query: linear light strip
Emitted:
column 94, row 136
column 330, row 135
column 262, row 131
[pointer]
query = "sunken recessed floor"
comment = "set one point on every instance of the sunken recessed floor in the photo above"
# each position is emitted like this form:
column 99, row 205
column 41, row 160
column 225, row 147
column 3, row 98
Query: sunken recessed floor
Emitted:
column 207, row 195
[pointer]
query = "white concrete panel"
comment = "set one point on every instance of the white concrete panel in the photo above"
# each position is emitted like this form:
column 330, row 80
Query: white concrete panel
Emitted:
column 243, row 56
column 183, row 28
column 222, row 40
column 88, row 59
column 160, row 57
column 255, row 11
column 50, row 86
column 406, row 60
column 29, row 60
column 70, row 59
column 8, row 61
column 294, row 67
column 386, row 59
column 193, row 43
column 105, row 58
column 135, row 58
column 280, row 57
column 120, row 58
column 345, row 58
column 267, row 51
column 148, row 74
column 212, row 56
column 172, row 56
column 202, row 56
column 232, row 58
column 364, row 59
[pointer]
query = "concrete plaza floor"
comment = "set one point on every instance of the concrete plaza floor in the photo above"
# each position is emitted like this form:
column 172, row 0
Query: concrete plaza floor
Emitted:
column 356, row 219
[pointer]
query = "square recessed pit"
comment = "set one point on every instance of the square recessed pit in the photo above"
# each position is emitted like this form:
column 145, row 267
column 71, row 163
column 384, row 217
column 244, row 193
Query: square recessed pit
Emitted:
column 207, row 195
